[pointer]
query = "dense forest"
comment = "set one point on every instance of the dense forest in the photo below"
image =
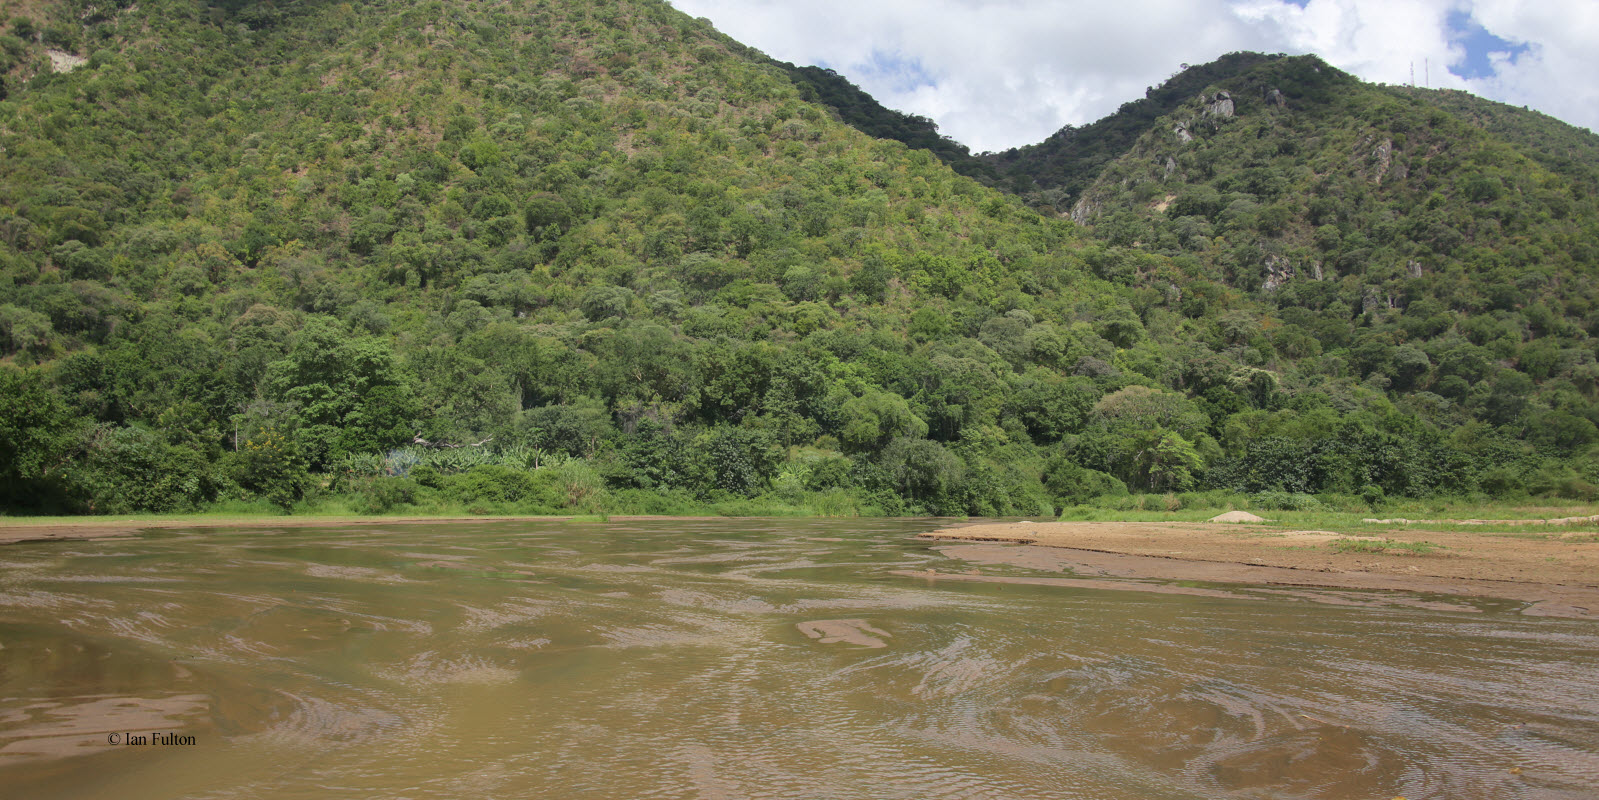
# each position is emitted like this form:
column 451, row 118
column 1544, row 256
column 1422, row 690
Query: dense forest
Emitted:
column 549, row 256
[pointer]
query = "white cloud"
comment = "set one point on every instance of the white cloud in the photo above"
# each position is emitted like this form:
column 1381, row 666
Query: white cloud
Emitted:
column 1009, row 72
column 1557, row 75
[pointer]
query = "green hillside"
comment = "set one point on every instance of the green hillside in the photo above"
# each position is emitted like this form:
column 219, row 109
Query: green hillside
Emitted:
column 557, row 256
column 1438, row 248
column 595, row 230
column 1570, row 151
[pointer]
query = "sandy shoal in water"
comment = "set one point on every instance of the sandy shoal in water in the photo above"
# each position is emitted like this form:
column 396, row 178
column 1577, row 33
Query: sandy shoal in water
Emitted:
column 1557, row 577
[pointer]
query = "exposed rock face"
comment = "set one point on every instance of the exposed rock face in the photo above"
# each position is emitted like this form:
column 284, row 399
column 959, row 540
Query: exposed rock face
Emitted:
column 1279, row 271
column 62, row 61
column 1414, row 268
column 1171, row 166
column 1276, row 98
column 1382, row 158
column 1213, row 109
column 1084, row 211
column 1315, row 270
column 1219, row 106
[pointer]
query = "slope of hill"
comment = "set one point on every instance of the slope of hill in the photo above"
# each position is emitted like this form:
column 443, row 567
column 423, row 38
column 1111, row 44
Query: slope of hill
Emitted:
column 862, row 112
column 1565, row 149
column 550, row 255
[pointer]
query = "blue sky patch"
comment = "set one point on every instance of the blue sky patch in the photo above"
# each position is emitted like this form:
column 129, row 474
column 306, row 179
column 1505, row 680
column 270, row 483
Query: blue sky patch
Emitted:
column 1478, row 44
column 901, row 74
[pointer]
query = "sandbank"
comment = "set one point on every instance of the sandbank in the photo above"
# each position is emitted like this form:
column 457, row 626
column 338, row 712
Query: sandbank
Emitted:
column 1553, row 575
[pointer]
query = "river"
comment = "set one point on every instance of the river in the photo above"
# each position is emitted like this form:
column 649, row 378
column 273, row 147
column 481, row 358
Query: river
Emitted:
column 748, row 658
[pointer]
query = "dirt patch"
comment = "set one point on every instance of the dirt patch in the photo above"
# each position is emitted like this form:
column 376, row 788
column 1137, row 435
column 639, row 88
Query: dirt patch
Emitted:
column 1557, row 577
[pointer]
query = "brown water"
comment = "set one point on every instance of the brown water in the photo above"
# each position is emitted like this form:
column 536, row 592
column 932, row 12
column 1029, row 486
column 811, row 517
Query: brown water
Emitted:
column 779, row 659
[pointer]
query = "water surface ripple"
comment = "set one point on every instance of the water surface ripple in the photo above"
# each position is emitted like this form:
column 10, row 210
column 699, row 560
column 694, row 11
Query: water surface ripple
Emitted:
column 742, row 658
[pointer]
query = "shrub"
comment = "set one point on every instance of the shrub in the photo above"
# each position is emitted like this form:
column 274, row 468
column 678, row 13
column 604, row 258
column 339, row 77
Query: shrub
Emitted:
column 490, row 483
column 1373, row 496
column 1286, row 501
column 382, row 494
column 127, row 470
column 269, row 465
column 1071, row 484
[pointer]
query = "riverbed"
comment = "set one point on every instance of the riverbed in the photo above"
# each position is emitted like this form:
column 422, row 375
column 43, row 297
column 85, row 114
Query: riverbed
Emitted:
column 752, row 658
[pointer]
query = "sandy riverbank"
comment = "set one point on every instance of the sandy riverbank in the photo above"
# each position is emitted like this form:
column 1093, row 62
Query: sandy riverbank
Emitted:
column 1554, row 575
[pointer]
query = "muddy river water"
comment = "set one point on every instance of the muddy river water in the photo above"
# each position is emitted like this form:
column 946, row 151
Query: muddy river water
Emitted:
column 781, row 659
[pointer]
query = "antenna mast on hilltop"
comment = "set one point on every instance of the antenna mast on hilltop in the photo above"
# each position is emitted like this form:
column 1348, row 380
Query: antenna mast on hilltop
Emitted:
column 1412, row 74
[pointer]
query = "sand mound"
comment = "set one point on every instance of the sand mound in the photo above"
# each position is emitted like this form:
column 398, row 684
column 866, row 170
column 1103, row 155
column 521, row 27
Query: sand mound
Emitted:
column 1237, row 516
column 850, row 631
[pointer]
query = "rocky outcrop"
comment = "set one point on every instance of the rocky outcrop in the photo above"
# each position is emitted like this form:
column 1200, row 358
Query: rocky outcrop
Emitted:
column 1382, row 164
column 1279, row 271
column 62, row 61
column 1276, row 98
column 1084, row 211
column 1213, row 109
column 1220, row 105
column 1375, row 299
column 1382, row 158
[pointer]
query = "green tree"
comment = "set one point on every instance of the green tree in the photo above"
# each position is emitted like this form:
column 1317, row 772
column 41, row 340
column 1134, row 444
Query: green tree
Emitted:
column 926, row 473
column 351, row 394
column 876, row 418
column 36, row 433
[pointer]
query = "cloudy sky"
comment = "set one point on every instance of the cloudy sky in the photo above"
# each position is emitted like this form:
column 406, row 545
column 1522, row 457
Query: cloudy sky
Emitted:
column 1001, row 73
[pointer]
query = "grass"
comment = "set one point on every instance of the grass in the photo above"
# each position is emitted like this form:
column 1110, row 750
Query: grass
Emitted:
column 1383, row 546
column 335, row 509
column 1342, row 514
column 1332, row 513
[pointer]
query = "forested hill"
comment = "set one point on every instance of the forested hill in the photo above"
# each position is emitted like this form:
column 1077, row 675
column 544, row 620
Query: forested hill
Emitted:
column 246, row 246
column 595, row 256
column 1442, row 248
